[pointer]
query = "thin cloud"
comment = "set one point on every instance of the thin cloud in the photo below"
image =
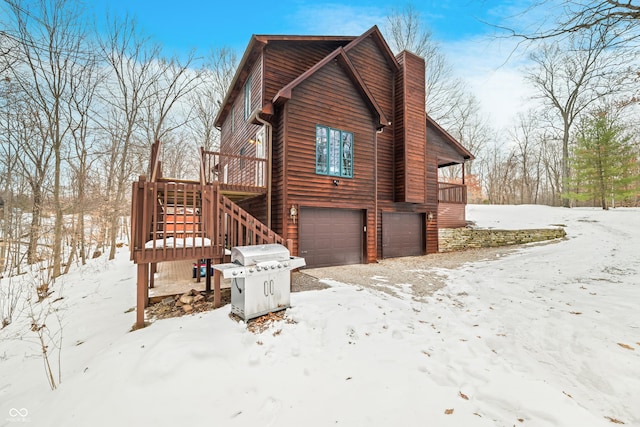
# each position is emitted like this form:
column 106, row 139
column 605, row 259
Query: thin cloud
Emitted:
column 494, row 73
column 337, row 19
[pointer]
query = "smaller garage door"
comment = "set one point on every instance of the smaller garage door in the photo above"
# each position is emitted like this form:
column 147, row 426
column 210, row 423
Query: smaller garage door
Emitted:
column 330, row 236
column 402, row 234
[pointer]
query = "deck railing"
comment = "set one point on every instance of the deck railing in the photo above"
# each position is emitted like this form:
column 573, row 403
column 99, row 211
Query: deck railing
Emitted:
column 452, row 193
column 172, row 220
column 185, row 220
column 233, row 169
column 239, row 228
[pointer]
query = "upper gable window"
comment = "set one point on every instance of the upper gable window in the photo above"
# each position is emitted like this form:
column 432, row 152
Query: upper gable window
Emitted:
column 334, row 152
column 247, row 99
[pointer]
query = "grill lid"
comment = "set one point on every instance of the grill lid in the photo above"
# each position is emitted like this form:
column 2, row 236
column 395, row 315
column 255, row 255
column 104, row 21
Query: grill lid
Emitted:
column 249, row 255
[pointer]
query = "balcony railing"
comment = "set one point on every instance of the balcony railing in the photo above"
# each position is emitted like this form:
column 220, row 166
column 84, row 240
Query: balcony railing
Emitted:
column 452, row 193
column 173, row 220
column 182, row 220
column 234, row 170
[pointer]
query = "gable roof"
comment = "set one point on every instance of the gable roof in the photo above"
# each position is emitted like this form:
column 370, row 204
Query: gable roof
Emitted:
column 285, row 93
column 256, row 44
column 453, row 143
column 376, row 36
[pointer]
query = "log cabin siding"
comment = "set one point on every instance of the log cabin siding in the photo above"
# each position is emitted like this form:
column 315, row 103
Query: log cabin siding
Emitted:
column 235, row 137
column 386, row 173
column 377, row 74
column 329, row 98
column 439, row 147
column 411, row 140
column 257, row 207
column 375, row 71
column 400, row 176
column 431, row 205
column 451, row 215
column 278, row 178
column 399, row 187
column 284, row 61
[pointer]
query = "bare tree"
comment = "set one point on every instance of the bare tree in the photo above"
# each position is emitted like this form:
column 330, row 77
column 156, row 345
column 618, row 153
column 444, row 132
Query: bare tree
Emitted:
column 217, row 74
column 569, row 17
column 83, row 95
column 24, row 135
column 8, row 167
column 527, row 148
column 499, row 174
column 571, row 77
column 467, row 124
column 132, row 61
column 405, row 31
column 173, row 81
column 50, row 38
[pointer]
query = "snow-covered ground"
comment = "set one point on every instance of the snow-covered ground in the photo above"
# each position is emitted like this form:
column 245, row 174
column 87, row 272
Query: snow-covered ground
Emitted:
column 546, row 336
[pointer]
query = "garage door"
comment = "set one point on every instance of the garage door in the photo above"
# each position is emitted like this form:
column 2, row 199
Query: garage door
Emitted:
column 402, row 234
column 330, row 236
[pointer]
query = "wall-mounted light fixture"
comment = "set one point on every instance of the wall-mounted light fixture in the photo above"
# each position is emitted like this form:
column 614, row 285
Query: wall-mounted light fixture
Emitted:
column 336, row 182
column 430, row 216
column 293, row 213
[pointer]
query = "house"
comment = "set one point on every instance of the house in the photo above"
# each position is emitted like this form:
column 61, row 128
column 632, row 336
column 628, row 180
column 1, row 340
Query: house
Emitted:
column 326, row 148
column 351, row 156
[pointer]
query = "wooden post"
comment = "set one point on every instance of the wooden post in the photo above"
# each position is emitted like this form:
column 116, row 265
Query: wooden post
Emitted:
column 207, row 276
column 154, row 268
column 217, row 300
column 214, row 217
column 142, row 293
column 463, row 172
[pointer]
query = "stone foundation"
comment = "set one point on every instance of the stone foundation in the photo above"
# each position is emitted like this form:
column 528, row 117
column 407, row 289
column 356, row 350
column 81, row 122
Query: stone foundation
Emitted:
column 456, row 239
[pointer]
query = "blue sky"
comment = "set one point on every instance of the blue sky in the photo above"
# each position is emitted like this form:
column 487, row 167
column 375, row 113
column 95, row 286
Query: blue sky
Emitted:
column 458, row 25
column 180, row 26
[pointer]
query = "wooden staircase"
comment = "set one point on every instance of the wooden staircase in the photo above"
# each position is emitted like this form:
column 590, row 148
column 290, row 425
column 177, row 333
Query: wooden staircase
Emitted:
column 173, row 220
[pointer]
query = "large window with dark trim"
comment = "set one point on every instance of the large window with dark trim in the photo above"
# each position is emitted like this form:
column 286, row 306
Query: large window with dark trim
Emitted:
column 247, row 99
column 334, row 152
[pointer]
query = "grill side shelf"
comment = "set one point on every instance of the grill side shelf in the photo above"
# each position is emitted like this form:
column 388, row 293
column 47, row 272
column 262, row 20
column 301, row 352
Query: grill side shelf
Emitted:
column 231, row 270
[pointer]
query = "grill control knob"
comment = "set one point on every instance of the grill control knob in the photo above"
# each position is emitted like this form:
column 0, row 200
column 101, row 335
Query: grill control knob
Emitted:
column 258, row 268
column 273, row 267
column 279, row 265
column 235, row 273
column 251, row 270
column 286, row 264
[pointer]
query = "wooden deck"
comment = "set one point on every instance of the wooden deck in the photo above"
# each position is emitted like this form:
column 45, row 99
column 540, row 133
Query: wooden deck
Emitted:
column 175, row 222
column 176, row 277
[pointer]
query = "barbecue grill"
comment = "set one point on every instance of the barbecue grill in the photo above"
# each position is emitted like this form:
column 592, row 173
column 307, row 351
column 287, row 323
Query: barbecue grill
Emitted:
column 260, row 278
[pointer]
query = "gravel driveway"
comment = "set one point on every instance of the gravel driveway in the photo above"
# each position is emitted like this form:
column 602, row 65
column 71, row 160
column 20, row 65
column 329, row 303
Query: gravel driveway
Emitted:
column 418, row 276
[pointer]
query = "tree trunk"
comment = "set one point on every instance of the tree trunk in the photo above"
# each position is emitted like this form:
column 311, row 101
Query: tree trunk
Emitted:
column 34, row 234
column 57, row 228
column 566, row 202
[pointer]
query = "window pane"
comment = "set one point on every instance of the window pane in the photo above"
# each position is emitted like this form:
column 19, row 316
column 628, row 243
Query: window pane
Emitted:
column 334, row 152
column 347, row 154
column 321, row 149
column 247, row 99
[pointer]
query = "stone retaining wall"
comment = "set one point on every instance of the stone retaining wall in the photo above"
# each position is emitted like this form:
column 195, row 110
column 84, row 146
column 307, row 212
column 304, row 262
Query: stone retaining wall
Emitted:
column 456, row 239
